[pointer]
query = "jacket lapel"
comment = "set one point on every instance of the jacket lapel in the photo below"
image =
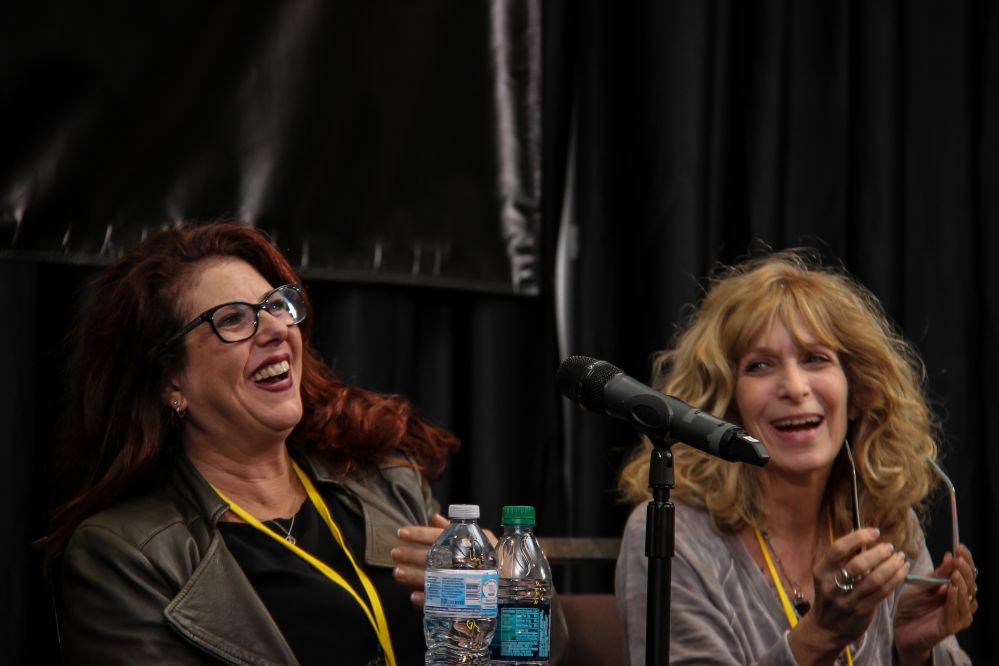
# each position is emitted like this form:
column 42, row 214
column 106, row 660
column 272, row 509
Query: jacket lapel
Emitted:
column 385, row 498
column 218, row 611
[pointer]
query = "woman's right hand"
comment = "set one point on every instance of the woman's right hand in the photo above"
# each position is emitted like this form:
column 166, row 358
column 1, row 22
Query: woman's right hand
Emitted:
column 839, row 617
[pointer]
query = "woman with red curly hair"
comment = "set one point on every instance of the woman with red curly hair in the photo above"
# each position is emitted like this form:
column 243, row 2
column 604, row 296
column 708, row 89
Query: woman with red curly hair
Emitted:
column 231, row 499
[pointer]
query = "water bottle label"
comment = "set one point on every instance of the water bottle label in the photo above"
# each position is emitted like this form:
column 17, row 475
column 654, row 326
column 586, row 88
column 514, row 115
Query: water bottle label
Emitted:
column 522, row 633
column 461, row 592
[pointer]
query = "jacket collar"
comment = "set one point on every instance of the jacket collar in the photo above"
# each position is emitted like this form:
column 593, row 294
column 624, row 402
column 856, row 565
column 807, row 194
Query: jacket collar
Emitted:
column 386, row 495
column 217, row 609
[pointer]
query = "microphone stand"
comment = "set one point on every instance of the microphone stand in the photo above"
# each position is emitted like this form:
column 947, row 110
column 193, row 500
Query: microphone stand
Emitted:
column 660, row 527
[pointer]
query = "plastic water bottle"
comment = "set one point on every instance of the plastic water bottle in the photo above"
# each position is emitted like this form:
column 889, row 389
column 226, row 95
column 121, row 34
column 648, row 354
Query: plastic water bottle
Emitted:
column 459, row 615
column 523, row 630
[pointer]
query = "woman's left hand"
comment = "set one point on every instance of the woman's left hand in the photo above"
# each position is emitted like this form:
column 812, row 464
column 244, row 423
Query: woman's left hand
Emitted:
column 927, row 614
column 411, row 561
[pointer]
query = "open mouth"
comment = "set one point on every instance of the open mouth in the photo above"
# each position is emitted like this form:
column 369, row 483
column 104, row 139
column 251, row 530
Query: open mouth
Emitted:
column 797, row 424
column 271, row 374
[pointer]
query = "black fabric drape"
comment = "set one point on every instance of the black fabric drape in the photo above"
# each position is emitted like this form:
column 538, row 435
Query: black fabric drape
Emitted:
column 315, row 121
column 867, row 129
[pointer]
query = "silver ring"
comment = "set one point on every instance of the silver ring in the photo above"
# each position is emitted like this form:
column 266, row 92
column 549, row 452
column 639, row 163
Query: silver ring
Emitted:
column 846, row 585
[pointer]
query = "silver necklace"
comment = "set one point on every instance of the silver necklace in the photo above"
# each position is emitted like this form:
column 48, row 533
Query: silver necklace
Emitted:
column 288, row 537
column 800, row 603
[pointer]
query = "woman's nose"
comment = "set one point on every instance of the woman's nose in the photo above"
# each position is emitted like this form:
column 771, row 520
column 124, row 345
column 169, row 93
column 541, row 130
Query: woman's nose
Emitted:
column 794, row 383
column 270, row 328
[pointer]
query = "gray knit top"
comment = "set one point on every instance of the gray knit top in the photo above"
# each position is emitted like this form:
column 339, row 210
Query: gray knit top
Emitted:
column 724, row 610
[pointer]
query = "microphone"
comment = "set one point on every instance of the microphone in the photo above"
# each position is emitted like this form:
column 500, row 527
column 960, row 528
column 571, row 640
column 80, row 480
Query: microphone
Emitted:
column 602, row 387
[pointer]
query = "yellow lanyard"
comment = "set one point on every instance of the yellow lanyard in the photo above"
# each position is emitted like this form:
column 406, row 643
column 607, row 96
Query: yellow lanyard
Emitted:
column 377, row 619
column 792, row 617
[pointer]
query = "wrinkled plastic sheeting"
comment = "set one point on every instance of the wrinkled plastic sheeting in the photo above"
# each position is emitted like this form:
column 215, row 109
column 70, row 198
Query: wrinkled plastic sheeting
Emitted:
column 378, row 141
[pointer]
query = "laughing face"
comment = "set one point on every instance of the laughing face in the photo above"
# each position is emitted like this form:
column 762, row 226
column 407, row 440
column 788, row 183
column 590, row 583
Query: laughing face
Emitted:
column 794, row 399
column 248, row 390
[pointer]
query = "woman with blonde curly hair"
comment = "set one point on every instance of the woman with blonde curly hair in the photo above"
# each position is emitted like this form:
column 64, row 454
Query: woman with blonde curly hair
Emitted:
column 769, row 566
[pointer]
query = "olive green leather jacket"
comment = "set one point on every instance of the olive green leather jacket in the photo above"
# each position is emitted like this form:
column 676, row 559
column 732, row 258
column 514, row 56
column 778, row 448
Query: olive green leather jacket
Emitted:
column 150, row 580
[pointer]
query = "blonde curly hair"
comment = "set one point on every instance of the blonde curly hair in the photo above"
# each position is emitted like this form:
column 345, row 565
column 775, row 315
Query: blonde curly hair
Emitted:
column 892, row 430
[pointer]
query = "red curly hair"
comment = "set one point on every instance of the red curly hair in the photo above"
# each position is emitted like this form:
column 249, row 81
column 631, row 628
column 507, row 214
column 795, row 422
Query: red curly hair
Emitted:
column 115, row 428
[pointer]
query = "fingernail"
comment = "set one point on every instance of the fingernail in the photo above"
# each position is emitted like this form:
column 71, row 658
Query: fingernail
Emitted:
column 877, row 532
column 397, row 572
column 412, row 597
column 394, row 553
column 403, row 533
column 891, row 548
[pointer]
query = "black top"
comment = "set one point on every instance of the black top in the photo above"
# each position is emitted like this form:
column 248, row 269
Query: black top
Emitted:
column 319, row 619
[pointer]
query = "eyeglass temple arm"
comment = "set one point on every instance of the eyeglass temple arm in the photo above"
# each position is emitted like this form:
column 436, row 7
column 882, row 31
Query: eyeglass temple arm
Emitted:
column 952, row 491
column 953, row 502
column 853, row 479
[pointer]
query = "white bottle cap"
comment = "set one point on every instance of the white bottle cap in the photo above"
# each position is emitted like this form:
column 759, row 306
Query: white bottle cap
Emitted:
column 463, row 511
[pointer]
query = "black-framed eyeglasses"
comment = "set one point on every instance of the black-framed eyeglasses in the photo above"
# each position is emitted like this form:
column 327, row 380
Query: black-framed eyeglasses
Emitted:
column 952, row 494
column 237, row 321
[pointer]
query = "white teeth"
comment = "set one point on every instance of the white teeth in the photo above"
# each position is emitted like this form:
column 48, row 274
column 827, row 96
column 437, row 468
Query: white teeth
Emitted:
column 271, row 371
column 797, row 423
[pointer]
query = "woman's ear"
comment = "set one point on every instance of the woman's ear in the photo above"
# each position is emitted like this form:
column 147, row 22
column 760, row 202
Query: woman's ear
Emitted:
column 173, row 396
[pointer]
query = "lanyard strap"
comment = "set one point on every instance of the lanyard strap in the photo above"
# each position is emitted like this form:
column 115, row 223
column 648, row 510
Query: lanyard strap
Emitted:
column 377, row 617
column 792, row 617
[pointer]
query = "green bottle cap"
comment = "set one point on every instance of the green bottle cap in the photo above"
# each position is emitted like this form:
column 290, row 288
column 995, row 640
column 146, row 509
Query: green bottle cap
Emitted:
column 518, row 515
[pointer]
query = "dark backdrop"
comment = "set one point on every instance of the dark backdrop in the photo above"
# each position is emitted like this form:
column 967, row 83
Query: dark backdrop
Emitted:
column 317, row 121
column 675, row 134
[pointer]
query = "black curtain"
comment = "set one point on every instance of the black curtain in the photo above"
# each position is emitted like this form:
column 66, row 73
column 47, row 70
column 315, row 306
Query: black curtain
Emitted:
column 315, row 121
column 675, row 134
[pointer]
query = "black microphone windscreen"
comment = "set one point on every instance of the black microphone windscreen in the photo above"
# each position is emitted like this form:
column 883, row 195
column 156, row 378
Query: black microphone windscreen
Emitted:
column 582, row 379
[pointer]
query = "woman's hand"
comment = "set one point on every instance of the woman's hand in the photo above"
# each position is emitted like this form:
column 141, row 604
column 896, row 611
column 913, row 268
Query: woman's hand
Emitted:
column 851, row 579
column 411, row 561
column 927, row 614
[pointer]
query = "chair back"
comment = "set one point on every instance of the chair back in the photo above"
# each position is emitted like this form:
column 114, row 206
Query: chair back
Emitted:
column 596, row 633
